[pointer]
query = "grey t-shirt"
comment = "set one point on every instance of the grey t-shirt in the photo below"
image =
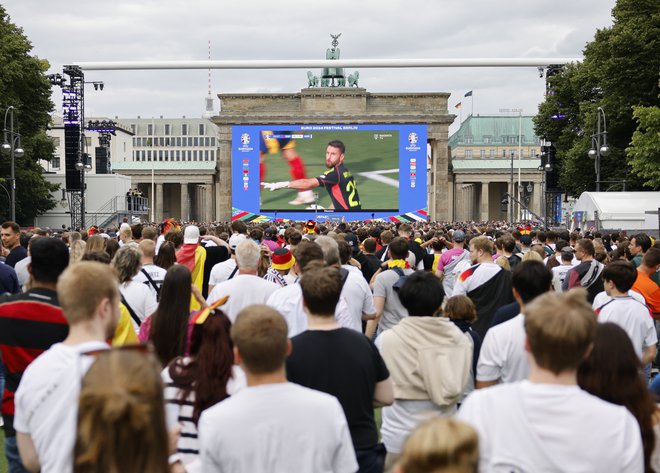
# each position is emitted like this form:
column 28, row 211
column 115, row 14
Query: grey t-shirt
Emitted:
column 393, row 311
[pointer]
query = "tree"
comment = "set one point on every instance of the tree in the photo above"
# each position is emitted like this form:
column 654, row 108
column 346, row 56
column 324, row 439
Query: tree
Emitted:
column 619, row 72
column 23, row 84
column 645, row 150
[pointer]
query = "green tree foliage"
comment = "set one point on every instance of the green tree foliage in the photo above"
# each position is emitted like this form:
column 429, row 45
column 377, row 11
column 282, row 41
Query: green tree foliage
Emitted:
column 23, row 84
column 619, row 71
column 645, row 150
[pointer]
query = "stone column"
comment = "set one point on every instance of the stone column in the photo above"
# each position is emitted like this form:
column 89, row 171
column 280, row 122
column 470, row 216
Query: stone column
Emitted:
column 158, row 202
column 485, row 209
column 185, row 202
column 536, row 198
column 208, row 202
column 440, row 155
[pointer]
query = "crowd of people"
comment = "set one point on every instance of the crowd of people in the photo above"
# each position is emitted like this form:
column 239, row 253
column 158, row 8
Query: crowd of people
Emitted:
column 329, row 347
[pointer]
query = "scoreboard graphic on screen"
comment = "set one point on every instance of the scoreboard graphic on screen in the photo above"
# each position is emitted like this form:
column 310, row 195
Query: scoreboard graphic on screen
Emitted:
column 382, row 170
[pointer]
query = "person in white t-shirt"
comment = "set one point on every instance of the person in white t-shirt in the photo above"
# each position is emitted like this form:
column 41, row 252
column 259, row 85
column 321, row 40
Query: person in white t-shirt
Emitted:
column 502, row 357
column 272, row 425
column 46, row 399
column 559, row 272
column 288, row 300
column 150, row 274
column 137, row 297
column 628, row 313
column 355, row 290
column 227, row 269
column 246, row 288
column 561, row 428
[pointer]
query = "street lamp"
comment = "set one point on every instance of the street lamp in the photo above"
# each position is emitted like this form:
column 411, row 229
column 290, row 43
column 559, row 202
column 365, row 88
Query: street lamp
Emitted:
column 12, row 145
column 599, row 144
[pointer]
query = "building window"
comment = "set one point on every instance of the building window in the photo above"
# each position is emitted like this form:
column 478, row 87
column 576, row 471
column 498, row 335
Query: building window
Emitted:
column 195, row 155
column 206, row 155
column 133, row 128
column 144, row 155
column 167, row 155
column 150, row 129
column 167, row 129
column 55, row 162
column 207, row 140
column 468, row 153
column 504, row 153
column 161, row 141
column 190, row 141
column 212, row 141
column 483, row 153
column 184, row 129
column 178, row 155
column 492, row 153
column 469, row 139
column 532, row 153
column 178, row 141
column 148, row 155
column 212, row 155
column 160, row 155
column 201, row 129
column 488, row 139
column 189, row 155
column 195, row 142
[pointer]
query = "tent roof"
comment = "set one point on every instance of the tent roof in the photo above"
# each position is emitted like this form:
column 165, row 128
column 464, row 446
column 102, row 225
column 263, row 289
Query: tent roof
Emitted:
column 619, row 204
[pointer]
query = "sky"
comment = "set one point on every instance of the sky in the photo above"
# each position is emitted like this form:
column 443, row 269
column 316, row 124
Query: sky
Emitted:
column 89, row 30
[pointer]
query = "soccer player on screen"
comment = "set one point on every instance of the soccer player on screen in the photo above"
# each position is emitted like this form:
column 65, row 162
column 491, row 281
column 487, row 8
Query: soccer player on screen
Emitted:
column 268, row 144
column 337, row 180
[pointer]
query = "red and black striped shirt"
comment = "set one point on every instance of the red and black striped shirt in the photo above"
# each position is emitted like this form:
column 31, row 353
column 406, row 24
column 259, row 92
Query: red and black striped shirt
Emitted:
column 29, row 324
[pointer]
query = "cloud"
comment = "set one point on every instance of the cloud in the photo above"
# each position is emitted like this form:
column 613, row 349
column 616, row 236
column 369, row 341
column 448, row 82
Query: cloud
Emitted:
column 81, row 30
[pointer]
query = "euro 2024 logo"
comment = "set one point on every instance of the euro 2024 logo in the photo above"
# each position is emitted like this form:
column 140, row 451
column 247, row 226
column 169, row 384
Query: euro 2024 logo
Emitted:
column 245, row 139
column 412, row 138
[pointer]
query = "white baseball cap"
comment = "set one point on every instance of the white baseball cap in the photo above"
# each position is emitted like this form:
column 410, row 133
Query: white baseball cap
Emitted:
column 235, row 239
column 191, row 235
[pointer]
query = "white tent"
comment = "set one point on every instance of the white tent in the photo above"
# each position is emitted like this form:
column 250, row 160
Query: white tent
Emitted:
column 617, row 210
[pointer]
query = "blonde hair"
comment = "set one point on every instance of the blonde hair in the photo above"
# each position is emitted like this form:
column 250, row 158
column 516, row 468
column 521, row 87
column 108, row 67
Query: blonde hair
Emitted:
column 77, row 251
column 148, row 248
column 442, row 444
column 95, row 243
column 532, row 255
column 127, row 262
column 82, row 287
column 482, row 243
column 121, row 416
column 560, row 328
column 503, row 262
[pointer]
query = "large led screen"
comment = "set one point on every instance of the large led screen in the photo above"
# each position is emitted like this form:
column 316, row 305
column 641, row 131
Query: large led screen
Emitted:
column 355, row 172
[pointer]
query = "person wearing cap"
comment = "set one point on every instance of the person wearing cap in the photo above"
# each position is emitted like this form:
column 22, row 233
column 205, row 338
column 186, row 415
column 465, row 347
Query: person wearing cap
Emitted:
column 246, row 287
column 337, row 180
column 310, row 227
column 193, row 255
column 226, row 269
column 281, row 262
column 525, row 243
column 453, row 261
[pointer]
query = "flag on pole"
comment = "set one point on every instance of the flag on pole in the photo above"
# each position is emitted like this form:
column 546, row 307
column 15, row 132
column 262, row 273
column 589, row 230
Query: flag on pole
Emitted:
column 469, row 94
column 458, row 105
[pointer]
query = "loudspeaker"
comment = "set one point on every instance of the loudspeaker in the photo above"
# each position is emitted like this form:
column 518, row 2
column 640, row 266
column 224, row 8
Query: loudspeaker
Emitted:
column 71, row 152
column 102, row 166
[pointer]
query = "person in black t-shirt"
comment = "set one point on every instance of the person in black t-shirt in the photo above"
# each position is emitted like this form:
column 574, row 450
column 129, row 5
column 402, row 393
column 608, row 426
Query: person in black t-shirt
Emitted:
column 341, row 362
column 337, row 180
column 11, row 240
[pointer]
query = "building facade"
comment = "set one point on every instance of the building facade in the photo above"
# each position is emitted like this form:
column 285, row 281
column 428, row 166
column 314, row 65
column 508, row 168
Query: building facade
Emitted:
column 490, row 157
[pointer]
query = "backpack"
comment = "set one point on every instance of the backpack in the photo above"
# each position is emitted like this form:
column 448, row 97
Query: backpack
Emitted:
column 401, row 281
